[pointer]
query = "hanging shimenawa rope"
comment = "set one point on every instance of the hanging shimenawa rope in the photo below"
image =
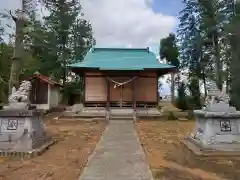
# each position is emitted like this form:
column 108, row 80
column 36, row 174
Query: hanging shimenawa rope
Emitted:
column 117, row 84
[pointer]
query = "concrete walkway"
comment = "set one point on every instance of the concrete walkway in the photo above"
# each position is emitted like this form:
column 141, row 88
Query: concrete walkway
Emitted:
column 118, row 155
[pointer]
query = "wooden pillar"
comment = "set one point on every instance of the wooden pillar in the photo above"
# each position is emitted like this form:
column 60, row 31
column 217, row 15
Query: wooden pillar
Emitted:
column 157, row 90
column 134, row 100
column 108, row 94
column 83, row 87
column 108, row 100
column 134, row 94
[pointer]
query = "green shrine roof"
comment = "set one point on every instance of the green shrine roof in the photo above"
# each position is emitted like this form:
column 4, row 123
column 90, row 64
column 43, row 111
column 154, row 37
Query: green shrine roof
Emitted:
column 120, row 59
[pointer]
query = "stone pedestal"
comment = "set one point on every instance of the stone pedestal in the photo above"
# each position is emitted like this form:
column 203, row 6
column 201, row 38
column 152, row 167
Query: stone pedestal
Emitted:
column 17, row 106
column 22, row 131
column 217, row 131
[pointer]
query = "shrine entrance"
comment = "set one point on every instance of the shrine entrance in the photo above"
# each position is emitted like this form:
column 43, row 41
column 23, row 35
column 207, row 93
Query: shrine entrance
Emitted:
column 121, row 92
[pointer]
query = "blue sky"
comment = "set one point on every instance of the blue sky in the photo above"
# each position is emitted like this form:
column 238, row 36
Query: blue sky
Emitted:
column 167, row 7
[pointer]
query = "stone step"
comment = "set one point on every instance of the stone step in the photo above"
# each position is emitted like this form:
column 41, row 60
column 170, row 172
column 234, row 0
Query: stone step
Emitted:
column 121, row 117
column 121, row 114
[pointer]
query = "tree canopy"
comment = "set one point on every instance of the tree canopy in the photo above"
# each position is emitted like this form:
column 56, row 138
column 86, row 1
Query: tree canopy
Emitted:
column 208, row 44
column 45, row 44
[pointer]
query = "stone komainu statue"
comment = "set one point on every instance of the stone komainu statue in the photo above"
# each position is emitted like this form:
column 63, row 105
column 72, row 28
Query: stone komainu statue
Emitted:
column 214, row 95
column 22, row 94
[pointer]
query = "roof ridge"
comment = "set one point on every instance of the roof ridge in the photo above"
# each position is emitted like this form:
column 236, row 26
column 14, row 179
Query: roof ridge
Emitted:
column 109, row 48
column 113, row 58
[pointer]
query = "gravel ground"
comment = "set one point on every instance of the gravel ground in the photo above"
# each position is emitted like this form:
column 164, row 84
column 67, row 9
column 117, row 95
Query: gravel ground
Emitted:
column 169, row 159
column 64, row 160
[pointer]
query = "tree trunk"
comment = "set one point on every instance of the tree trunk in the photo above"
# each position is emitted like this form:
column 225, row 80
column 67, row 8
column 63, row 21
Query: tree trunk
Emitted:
column 203, row 75
column 228, row 77
column 204, row 83
column 18, row 51
column 64, row 68
column 218, row 62
column 173, row 87
column 1, row 93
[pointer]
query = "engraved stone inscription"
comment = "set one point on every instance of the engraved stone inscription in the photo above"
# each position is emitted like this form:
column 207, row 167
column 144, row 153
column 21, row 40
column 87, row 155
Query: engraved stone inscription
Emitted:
column 27, row 113
column 225, row 126
column 12, row 124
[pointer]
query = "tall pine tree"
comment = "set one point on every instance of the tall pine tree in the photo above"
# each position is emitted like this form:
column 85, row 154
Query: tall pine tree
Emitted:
column 234, row 37
column 169, row 51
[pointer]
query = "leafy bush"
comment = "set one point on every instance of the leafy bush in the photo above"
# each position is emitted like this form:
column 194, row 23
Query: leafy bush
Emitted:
column 71, row 93
column 195, row 100
column 171, row 116
column 181, row 101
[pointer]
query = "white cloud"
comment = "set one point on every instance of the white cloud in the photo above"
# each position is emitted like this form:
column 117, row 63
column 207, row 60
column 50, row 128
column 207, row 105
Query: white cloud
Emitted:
column 126, row 22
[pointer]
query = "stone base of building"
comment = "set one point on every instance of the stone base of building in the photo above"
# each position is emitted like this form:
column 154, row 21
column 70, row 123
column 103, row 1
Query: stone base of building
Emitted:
column 113, row 113
column 212, row 150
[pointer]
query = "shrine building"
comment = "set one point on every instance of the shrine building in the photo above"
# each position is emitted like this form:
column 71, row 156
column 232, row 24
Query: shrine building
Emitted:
column 121, row 77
